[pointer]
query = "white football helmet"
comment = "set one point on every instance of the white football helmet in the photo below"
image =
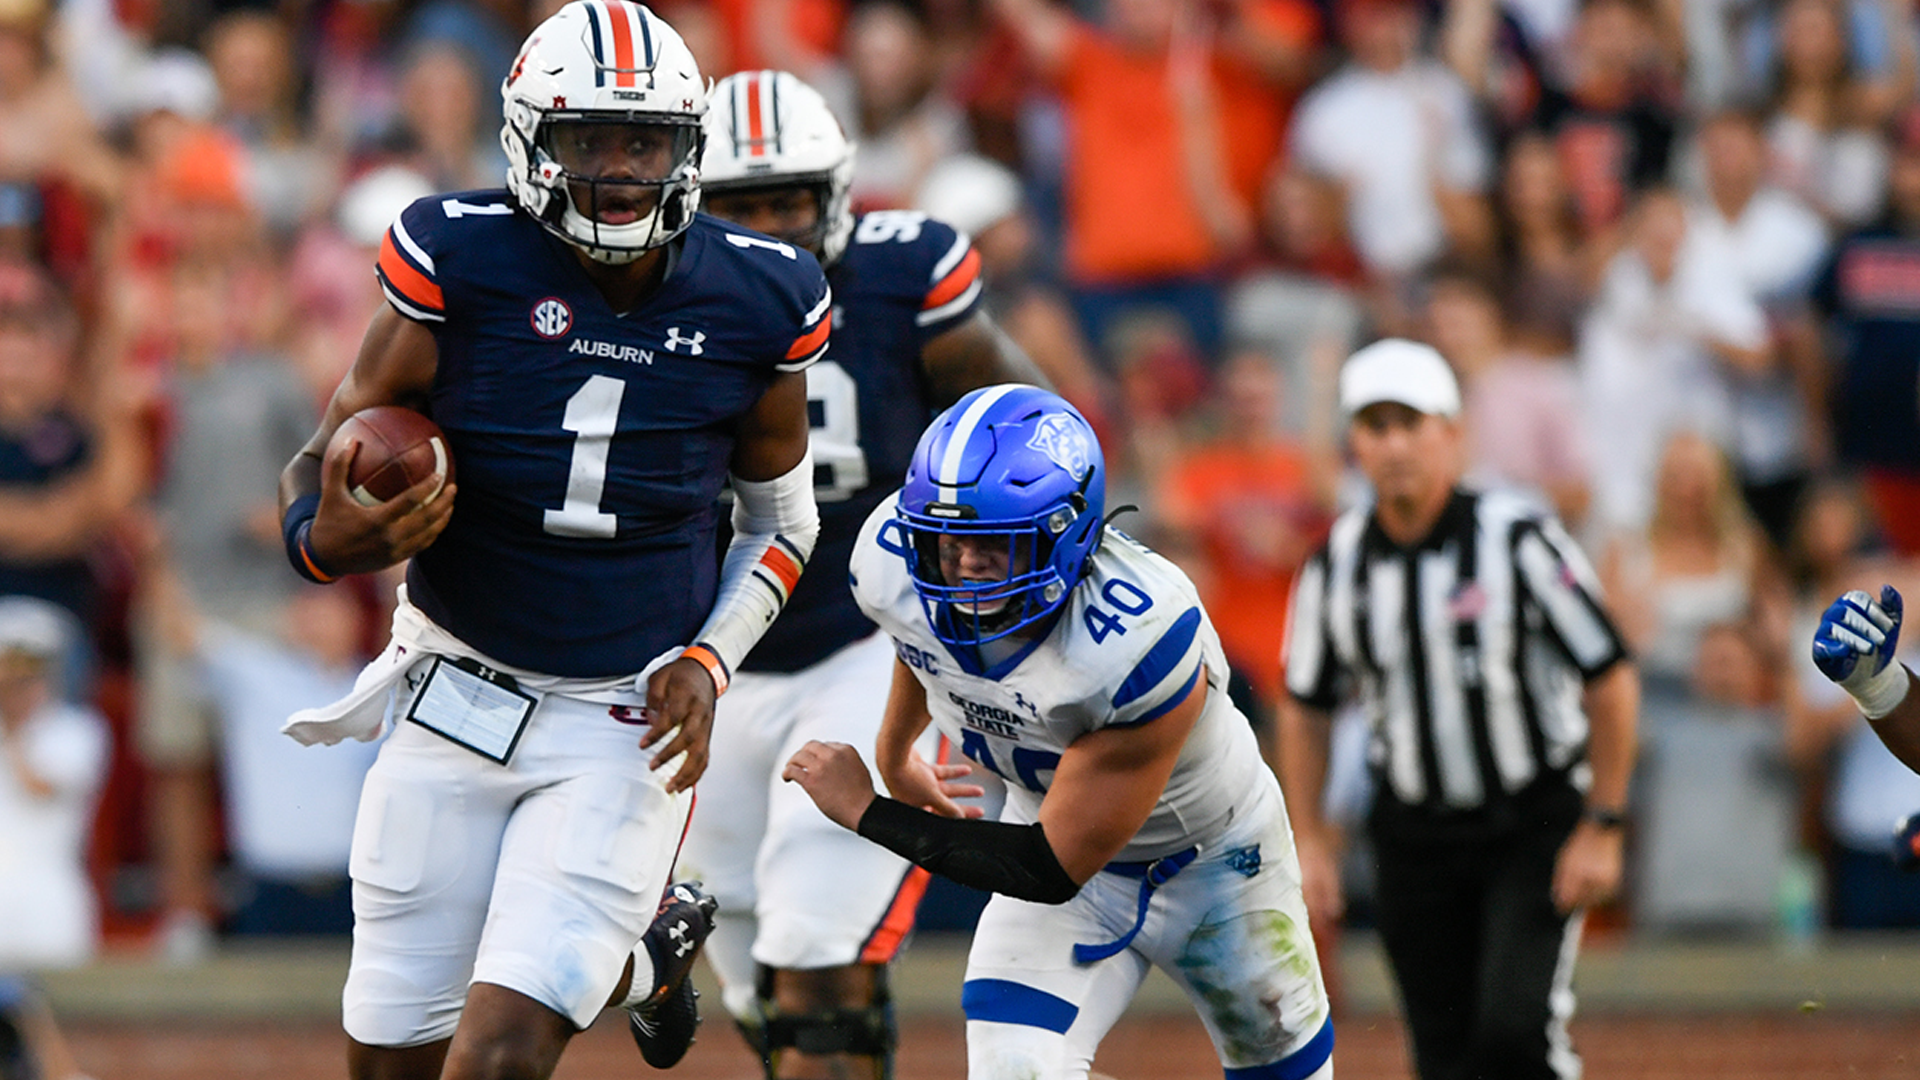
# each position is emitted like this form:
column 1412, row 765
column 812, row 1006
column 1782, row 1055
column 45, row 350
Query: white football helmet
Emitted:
column 605, row 79
column 768, row 129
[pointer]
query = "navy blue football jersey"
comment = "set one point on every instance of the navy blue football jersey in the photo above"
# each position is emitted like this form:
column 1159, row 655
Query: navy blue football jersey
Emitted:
column 903, row 280
column 590, row 446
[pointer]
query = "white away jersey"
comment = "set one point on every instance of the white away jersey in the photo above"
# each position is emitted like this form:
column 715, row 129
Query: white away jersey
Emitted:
column 1128, row 647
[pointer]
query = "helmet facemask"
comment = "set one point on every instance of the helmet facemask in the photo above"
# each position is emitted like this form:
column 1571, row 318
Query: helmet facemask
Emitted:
column 619, row 185
column 1021, row 589
column 592, row 67
column 1017, row 472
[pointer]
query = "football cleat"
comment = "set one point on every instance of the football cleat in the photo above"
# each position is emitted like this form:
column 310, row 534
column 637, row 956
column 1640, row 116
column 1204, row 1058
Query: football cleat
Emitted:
column 663, row 1024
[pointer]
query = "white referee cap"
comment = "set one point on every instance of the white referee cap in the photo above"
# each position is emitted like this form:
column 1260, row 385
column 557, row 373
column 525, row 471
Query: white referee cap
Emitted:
column 1401, row 371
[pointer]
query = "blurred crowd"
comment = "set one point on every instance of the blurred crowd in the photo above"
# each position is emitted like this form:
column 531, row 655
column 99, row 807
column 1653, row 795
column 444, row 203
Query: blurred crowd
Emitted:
column 1672, row 248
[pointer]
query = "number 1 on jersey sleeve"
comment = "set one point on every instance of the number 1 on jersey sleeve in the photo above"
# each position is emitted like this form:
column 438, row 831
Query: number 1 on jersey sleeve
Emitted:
column 775, row 246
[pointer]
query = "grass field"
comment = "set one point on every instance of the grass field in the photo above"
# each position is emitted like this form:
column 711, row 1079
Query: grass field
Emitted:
column 1791, row 1046
column 1847, row 1008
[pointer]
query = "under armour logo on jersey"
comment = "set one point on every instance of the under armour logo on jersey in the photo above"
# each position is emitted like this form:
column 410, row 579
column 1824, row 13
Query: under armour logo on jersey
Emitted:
column 1064, row 443
column 552, row 317
column 675, row 340
column 682, row 945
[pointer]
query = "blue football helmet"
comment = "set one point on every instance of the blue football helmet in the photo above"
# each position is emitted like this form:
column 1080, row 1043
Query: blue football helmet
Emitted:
column 1009, row 464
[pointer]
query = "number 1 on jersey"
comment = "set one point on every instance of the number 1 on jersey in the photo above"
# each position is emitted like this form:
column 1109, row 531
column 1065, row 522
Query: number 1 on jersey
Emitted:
column 593, row 412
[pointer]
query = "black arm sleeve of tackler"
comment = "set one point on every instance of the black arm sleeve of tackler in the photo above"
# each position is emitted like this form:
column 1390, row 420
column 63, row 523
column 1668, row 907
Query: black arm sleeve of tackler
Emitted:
column 1012, row 859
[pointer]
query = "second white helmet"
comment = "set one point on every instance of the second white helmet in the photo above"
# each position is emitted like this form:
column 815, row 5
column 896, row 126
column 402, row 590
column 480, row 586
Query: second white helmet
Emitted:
column 605, row 80
column 768, row 129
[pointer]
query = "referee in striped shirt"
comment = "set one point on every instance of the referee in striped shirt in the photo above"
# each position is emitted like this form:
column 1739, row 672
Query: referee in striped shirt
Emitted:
column 1468, row 627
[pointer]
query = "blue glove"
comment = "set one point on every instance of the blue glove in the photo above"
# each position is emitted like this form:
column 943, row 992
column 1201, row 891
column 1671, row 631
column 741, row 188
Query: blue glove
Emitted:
column 1854, row 647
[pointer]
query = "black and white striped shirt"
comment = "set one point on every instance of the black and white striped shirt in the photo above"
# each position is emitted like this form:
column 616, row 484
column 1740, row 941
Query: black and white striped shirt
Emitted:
column 1468, row 652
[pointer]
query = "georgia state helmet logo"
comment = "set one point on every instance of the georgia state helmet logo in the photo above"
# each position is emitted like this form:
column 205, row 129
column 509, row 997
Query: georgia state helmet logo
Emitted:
column 1064, row 443
column 552, row 317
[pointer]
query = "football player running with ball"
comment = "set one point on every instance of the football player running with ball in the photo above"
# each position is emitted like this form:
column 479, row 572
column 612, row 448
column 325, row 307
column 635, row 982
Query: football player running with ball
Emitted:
column 810, row 914
column 601, row 358
column 1141, row 827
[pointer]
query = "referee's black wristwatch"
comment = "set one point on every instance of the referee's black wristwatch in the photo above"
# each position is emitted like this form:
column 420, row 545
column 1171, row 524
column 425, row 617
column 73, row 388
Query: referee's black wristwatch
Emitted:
column 1605, row 817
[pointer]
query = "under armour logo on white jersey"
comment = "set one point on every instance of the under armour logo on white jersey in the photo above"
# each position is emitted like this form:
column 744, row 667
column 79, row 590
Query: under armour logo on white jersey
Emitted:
column 675, row 340
column 681, row 945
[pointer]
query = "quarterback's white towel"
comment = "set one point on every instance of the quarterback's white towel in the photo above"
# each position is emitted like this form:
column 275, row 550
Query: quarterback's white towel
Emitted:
column 363, row 714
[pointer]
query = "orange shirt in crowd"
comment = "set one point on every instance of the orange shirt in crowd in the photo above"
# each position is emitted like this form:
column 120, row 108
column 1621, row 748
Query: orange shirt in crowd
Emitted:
column 1250, row 511
column 1131, row 211
column 1253, row 112
column 814, row 24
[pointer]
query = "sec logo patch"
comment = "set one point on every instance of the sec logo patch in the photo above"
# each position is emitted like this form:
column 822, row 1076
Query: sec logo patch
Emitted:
column 552, row 317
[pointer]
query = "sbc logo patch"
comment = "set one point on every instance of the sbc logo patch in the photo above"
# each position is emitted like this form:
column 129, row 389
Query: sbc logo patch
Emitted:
column 552, row 318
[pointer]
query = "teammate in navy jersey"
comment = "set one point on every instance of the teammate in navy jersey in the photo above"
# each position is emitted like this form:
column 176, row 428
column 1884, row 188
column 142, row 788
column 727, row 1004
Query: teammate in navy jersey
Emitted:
column 809, row 914
column 601, row 358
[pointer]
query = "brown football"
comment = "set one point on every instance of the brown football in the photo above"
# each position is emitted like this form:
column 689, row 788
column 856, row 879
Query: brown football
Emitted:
column 398, row 449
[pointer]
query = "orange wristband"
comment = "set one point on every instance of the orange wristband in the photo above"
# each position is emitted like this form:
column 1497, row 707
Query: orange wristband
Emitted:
column 303, row 543
column 710, row 660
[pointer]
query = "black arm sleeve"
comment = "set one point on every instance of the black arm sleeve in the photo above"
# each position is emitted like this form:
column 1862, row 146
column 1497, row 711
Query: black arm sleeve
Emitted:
column 991, row 855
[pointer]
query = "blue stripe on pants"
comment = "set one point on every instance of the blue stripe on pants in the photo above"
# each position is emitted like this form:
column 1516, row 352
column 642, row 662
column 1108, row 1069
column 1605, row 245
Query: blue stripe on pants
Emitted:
column 1298, row 1065
column 1001, row 1002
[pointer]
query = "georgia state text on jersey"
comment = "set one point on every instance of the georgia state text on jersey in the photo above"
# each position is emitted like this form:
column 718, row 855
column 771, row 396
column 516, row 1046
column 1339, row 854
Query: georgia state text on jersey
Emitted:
column 904, row 280
column 1126, row 648
column 592, row 446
